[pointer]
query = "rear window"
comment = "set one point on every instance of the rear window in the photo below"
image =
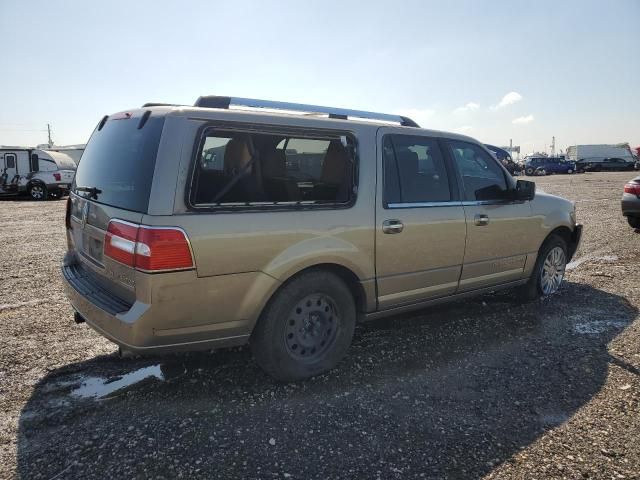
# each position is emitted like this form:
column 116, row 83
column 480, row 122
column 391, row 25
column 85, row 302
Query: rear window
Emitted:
column 118, row 163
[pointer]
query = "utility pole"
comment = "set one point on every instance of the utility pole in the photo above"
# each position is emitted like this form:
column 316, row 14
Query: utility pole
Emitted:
column 553, row 146
column 49, row 133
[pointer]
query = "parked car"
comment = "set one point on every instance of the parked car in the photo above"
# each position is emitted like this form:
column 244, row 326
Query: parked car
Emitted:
column 549, row 165
column 631, row 202
column 301, row 225
column 605, row 165
column 39, row 173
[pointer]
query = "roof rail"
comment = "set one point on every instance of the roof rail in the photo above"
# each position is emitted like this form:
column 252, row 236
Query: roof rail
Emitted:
column 214, row 101
column 154, row 104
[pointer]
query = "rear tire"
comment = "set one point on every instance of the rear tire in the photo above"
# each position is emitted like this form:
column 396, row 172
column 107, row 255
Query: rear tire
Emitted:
column 536, row 285
column 634, row 222
column 306, row 329
column 38, row 192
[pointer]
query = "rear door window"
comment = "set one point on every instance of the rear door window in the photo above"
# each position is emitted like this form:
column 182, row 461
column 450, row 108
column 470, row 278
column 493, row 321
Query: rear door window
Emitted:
column 414, row 170
column 119, row 161
column 236, row 169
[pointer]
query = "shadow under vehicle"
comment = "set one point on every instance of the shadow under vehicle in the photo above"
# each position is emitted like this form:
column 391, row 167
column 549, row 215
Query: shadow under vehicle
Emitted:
column 450, row 392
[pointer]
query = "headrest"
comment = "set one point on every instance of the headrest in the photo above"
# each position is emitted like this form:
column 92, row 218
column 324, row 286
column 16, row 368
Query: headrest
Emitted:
column 408, row 162
column 237, row 153
column 275, row 164
column 336, row 162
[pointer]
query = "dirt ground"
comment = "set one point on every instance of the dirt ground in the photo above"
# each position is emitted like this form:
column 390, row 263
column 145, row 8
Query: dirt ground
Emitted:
column 480, row 388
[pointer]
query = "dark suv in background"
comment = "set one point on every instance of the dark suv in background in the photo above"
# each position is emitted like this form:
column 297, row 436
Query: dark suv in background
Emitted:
column 549, row 165
column 605, row 164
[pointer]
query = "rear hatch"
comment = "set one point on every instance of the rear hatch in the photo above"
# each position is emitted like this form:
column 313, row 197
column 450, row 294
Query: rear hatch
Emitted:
column 113, row 181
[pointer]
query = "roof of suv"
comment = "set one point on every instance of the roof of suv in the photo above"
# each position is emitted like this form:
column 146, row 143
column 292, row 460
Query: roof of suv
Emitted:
column 313, row 115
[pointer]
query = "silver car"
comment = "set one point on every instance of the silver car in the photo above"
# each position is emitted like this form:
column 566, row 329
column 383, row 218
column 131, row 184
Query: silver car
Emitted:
column 631, row 202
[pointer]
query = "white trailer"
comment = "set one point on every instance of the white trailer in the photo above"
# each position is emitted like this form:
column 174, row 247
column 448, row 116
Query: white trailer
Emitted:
column 597, row 153
column 74, row 151
column 40, row 173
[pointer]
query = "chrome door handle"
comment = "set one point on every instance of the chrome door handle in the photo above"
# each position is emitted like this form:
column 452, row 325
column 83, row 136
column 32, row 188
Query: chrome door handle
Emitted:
column 392, row 226
column 481, row 220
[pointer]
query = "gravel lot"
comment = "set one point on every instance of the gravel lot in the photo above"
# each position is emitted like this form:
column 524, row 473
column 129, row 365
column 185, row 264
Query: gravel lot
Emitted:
column 481, row 388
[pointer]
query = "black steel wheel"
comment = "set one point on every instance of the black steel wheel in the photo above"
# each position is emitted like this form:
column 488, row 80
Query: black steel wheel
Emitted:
column 306, row 328
column 311, row 329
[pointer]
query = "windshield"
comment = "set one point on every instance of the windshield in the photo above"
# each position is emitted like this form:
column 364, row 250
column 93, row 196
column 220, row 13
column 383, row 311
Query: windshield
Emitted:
column 118, row 163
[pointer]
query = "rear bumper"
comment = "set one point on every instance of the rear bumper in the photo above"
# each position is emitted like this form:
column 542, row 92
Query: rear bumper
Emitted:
column 630, row 205
column 141, row 327
column 576, row 237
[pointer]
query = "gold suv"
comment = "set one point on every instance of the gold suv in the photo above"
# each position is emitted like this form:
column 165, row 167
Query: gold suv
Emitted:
column 279, row 225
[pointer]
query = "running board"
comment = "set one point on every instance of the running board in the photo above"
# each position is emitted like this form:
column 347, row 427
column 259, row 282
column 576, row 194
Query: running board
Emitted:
column 437, row 301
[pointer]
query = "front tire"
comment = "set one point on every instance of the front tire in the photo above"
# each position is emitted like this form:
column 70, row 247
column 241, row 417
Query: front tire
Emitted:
column 529, row 171
column 548, row 271
column 38, row 192
column 634, row 222
column 306, row 329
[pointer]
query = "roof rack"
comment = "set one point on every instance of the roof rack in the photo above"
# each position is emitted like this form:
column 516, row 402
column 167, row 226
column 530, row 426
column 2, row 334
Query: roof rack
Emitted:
column 154, row 104
column 214, row 101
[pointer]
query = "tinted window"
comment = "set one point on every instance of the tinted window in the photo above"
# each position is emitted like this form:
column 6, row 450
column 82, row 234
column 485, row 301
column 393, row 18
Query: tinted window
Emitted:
column 248, row 168
column 119, row 160
column 414, row 170
column 482, row 177
column 10, row 161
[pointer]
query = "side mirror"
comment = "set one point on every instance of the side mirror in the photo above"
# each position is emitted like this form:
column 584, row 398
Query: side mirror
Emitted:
column 525, row 190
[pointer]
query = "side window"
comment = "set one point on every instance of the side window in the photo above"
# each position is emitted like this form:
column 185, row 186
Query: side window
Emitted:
column 34, row 162
column 47, row 166
column 10, row 160
column 243, row 168
column 482, row 177
column 414, row 170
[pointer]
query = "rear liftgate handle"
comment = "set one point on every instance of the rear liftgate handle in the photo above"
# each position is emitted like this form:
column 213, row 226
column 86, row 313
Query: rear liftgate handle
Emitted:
column 392, row 226
column 481, row 220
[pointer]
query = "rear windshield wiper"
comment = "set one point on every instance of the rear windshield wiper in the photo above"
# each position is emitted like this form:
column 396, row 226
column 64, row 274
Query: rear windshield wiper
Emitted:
column 92, row 191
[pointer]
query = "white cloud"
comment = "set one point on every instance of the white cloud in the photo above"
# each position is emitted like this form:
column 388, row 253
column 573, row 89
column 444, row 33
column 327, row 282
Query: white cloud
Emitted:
column 509, row 99
column 522, row 120
column 463, row 129
column 469, row 107
column 421, row 116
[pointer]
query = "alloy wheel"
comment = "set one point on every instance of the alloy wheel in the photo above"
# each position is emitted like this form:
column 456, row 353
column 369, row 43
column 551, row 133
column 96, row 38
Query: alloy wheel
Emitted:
column 553, row 270
column 37, row 192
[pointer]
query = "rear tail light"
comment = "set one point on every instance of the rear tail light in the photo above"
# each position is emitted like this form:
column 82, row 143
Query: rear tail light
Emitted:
column 67, row 215
column 150, row 249
column 633, row 188
column 57, row 176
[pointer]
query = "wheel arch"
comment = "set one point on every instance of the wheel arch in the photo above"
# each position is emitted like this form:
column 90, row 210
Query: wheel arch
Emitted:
column 360, row 295
column 568, row 236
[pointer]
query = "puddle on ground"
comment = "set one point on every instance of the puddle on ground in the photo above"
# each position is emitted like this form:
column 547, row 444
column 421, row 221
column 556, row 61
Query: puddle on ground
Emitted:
column 598, row 326
column 552, row 419
column 96, row 387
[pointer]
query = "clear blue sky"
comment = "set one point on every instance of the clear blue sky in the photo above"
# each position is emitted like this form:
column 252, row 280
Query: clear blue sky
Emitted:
column 573, row 66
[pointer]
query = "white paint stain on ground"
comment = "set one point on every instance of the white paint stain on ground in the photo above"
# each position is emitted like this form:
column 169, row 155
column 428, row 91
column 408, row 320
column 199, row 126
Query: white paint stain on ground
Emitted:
column 97, row 387
column 28, row 303
column 598, row 326
column 587, row 258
